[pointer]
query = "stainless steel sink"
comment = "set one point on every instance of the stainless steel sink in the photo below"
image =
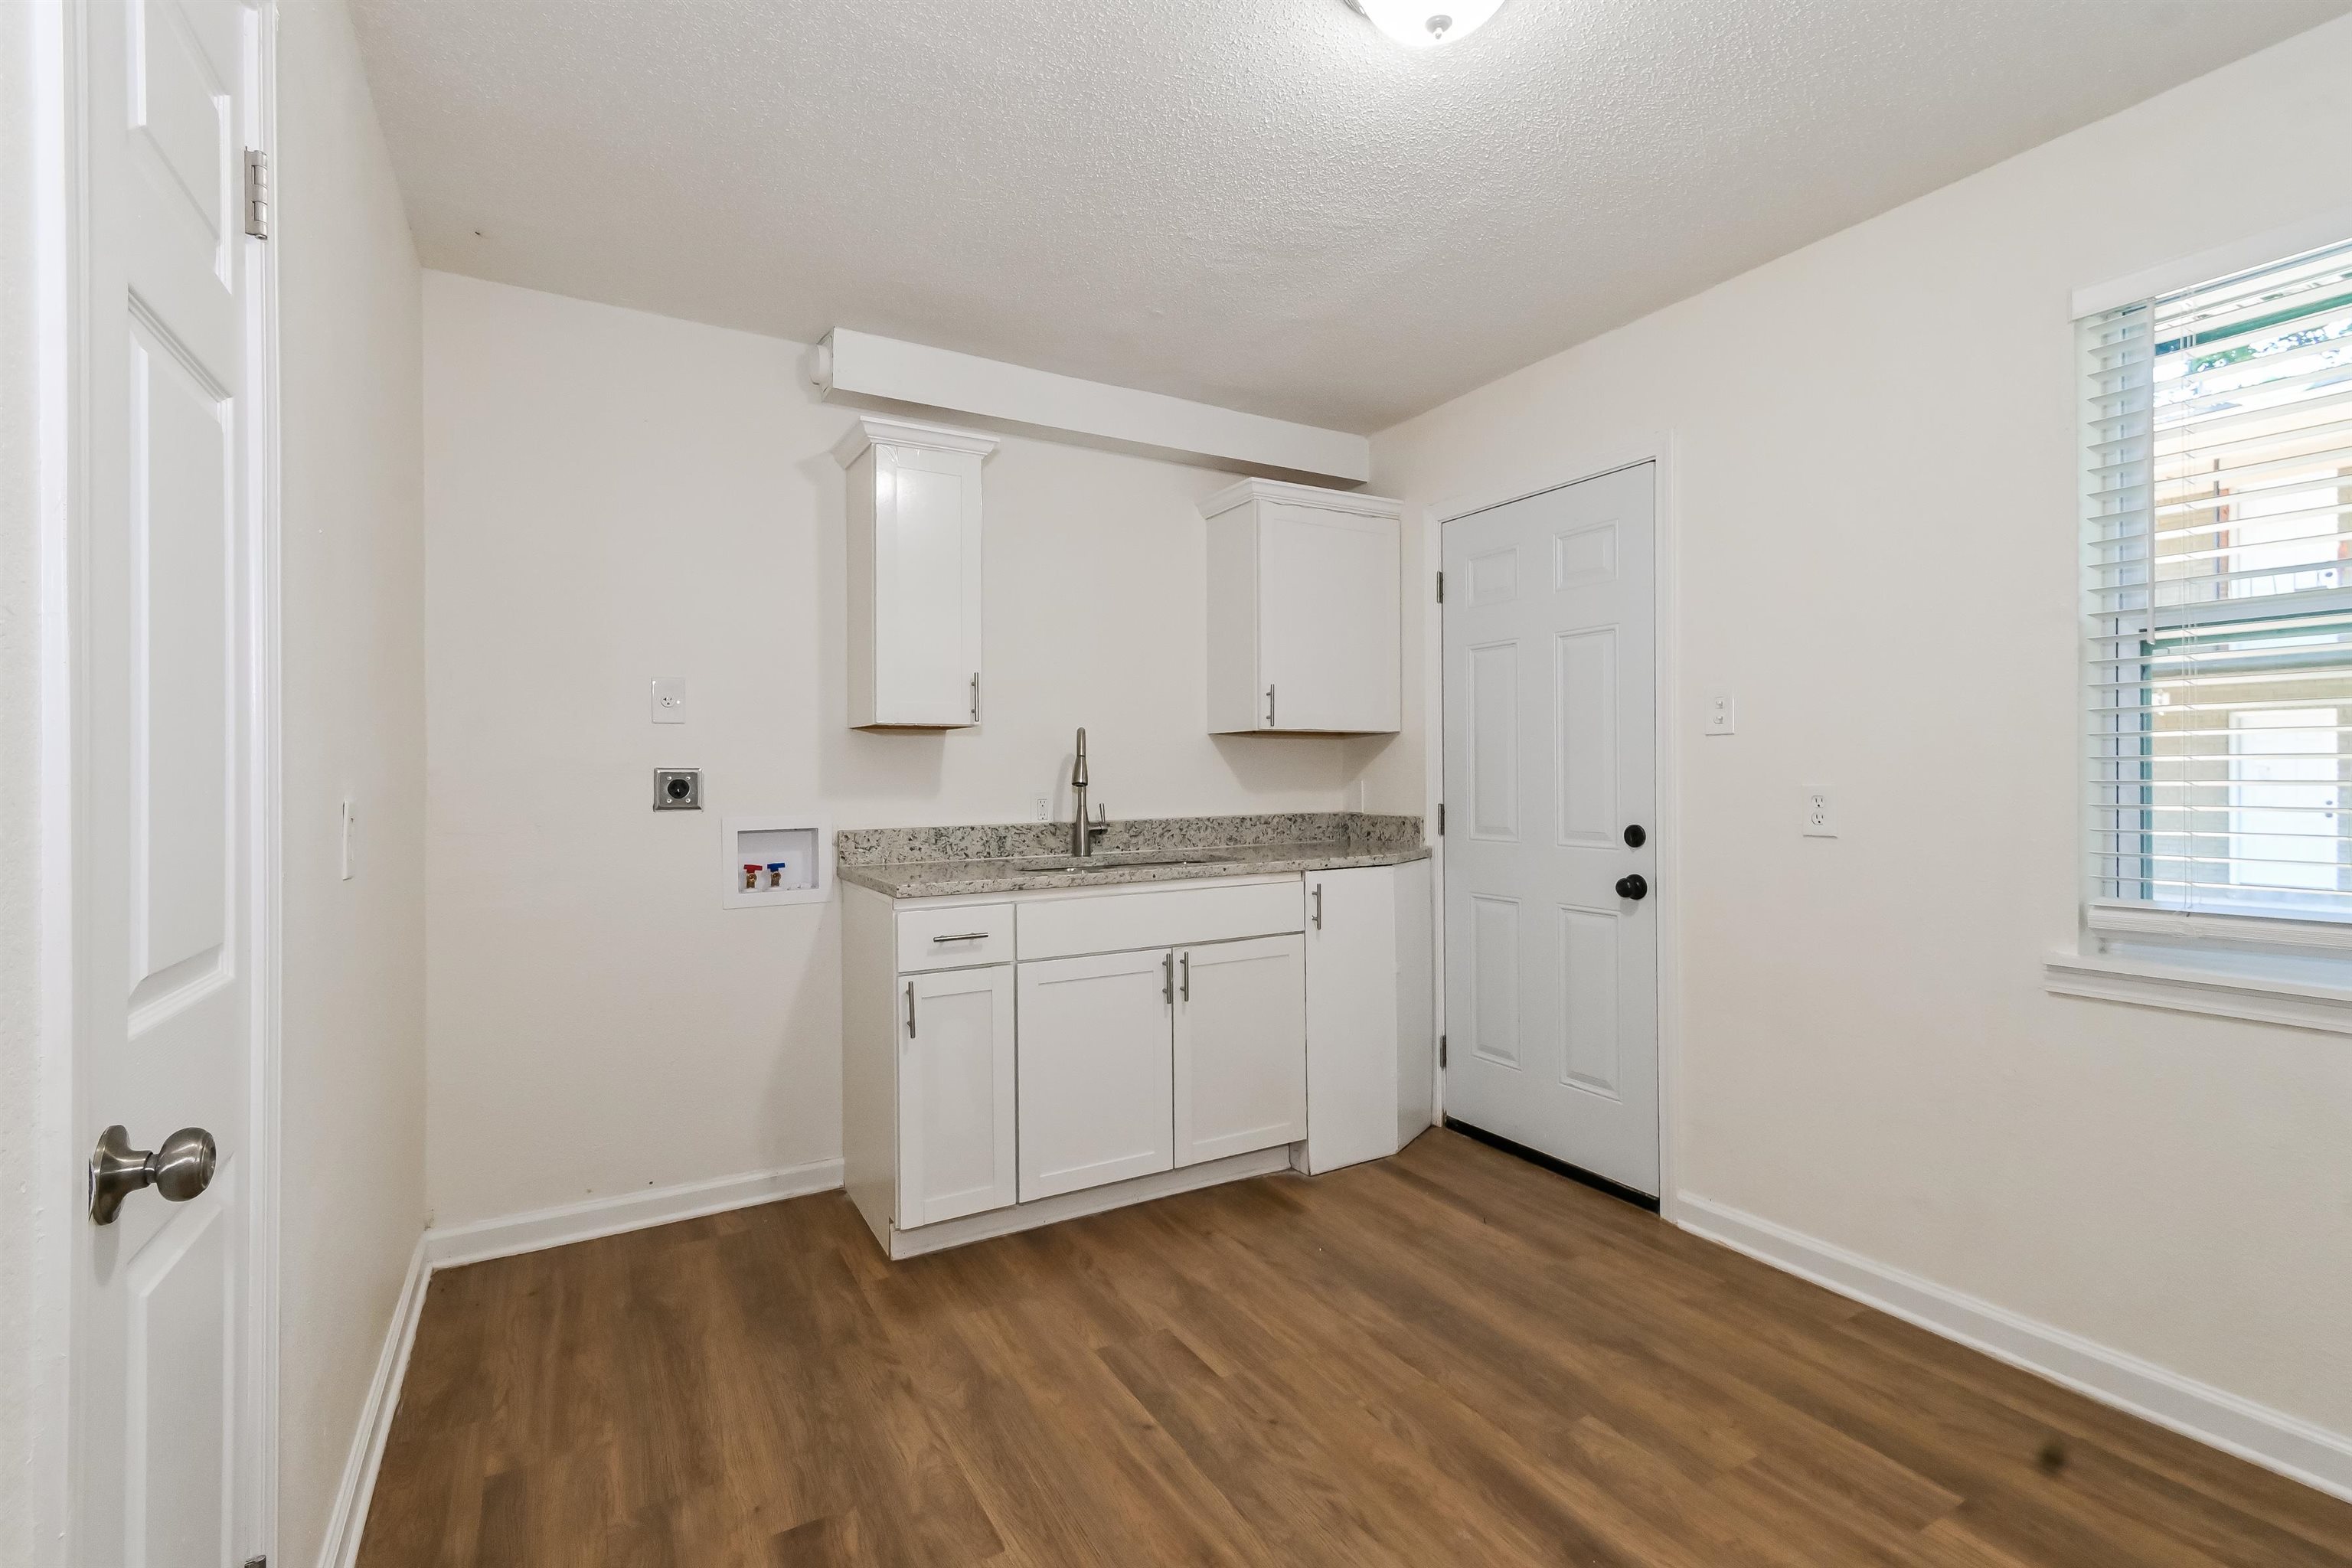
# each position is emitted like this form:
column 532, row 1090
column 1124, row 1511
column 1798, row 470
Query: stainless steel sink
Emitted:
column 1113, row 859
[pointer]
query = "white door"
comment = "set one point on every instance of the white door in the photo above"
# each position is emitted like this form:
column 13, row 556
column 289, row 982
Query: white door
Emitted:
column 1551, row 948
column 1328, row 619
column 1240, row 1047
column 927, row 568
column 955, row 1094
column 1352, row 1012
column 1095, row 1069
column 166, row 796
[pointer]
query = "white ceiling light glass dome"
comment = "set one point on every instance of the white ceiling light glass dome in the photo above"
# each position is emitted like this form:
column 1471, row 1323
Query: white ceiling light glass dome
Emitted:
column 1425, row 23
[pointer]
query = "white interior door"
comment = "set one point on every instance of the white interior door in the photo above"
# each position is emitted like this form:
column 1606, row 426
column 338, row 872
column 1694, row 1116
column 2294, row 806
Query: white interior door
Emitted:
column 165, row 1398
column 1240, row 1047
column 955, row 1094
column 1551, row 957
column 1095, row 1071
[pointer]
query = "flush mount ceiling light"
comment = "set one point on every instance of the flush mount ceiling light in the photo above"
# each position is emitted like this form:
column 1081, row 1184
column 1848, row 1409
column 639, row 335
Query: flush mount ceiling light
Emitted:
column 1425, row 24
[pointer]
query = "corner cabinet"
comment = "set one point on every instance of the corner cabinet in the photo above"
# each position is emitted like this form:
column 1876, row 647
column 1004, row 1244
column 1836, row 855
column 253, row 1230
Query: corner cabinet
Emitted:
column 1305, row 611
column 914, row 555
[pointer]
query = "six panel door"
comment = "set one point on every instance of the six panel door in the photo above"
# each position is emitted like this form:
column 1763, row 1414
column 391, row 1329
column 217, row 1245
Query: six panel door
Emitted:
column 1095, row 1073
column 955, row 1094
column 1240, row 1047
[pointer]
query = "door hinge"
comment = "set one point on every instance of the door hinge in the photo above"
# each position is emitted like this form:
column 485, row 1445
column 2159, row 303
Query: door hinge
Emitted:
column 1441, row 1050
column 1441, row 820
column 1440, row 588
column 256, row 193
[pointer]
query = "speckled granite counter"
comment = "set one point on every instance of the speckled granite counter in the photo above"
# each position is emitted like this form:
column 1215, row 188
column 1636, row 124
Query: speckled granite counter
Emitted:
column 1018, row 857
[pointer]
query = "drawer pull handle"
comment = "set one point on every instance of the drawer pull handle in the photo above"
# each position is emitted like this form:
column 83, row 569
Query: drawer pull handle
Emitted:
column 963, row 936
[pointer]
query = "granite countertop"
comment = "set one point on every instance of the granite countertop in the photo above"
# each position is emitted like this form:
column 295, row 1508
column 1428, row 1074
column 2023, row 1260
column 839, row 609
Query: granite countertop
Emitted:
column 1014, row 858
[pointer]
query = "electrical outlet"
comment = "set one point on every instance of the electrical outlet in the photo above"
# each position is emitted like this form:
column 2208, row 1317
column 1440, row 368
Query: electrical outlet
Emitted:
column 1722, row 715
column 1820, row 817
column 1042, row 808
column 669, row 700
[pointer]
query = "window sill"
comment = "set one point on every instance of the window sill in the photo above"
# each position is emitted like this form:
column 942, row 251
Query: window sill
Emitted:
column 2183, row 988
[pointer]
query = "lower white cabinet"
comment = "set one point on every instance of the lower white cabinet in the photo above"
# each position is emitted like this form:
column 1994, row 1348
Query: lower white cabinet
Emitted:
column 1093, row 1071
column 1001, row 1071
column 955, row 1094
column 1240, row 1047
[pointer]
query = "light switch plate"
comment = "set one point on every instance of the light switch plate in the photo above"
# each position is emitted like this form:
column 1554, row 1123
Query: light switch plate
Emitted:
column 669, row 700
column 1722, row 715
column 1821, row 815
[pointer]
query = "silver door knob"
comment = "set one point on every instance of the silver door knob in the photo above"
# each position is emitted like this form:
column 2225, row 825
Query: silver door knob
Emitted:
column 181, row 1169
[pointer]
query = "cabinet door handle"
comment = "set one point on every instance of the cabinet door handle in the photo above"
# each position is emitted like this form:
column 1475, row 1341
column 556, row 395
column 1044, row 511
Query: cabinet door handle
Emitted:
column 975, row 697
column 1188, row 976
column 1318, row 906
column 1168, row 978
column 910, row 1009
column 1269, row 707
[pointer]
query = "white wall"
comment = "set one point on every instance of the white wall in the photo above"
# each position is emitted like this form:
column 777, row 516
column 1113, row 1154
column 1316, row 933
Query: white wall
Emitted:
column 353, row 591
column 613, row 495
column 1875, row 459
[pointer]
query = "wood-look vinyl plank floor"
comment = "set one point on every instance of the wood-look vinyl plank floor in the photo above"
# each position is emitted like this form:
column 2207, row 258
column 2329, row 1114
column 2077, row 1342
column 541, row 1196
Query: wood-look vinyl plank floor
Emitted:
column 1450, row 1356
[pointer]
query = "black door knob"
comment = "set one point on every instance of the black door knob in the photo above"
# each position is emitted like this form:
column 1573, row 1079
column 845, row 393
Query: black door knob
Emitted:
column 1636, row 835
column 1633, row 886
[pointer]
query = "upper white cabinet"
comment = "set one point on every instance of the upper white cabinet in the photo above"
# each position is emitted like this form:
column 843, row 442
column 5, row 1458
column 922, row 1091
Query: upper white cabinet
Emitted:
column 914, row 574
column 1306, row 610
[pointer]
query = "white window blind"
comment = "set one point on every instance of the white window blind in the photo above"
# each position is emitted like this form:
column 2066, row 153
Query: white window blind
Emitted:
column 2219, row 504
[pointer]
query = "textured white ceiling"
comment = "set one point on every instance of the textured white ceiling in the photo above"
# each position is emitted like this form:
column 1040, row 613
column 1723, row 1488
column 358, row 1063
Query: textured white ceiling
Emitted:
column 1258, row 202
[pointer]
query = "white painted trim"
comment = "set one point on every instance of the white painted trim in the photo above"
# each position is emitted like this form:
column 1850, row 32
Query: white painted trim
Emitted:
column 348, row 1523
column 2313, row 232
column 853, row 364
column 1088, row 1200
column 1355, row 503
column 1658, row 447
column 881, row 430
column 2298, row 1449
column 510, row 1234
column 2182, row 988
column 265, row 751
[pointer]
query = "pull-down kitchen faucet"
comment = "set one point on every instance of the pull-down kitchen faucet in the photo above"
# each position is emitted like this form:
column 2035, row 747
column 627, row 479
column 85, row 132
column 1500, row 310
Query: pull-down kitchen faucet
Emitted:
column 1082, row 832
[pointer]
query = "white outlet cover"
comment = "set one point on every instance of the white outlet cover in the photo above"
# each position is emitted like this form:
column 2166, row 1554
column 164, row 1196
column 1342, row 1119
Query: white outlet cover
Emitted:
column 669, row 700
column 1043, row 806
column 1722, row 715
column 1819, row 815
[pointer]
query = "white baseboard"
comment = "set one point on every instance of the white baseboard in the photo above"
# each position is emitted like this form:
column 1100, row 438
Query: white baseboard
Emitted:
column 342, row 1547
column 517, row 1233
column 440, row 1248
column 2294, row 1448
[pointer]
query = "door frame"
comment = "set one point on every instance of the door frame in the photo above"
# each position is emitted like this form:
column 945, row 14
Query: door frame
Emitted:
column 1550, row 473
column 48, row 62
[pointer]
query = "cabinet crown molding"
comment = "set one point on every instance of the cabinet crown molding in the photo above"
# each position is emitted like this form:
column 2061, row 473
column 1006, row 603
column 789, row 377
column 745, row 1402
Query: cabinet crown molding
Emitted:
column 884, row 430
column 1248, row 491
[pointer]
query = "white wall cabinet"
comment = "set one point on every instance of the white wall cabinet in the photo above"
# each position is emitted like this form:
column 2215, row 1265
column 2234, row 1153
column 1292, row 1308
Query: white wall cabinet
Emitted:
column 1095, row 1079
column 1240, row 1047
column 956, row 1149
column 1305, row 611
column 914, row 553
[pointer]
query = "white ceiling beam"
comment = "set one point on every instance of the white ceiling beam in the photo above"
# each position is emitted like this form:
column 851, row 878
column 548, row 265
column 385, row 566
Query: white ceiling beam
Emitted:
column 861, row 368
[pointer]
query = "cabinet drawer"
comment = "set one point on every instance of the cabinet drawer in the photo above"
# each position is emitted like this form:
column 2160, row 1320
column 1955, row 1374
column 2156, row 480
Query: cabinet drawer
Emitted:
column 954, row 938
column 1159, row 917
